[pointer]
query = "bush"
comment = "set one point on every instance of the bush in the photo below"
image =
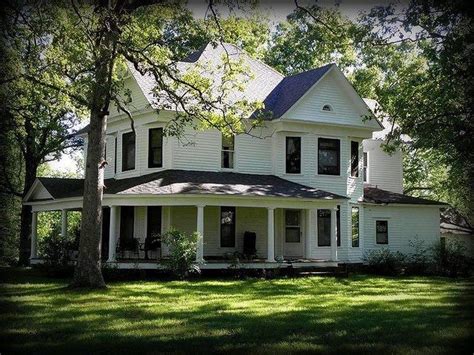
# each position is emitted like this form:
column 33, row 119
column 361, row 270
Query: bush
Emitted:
column 182, row 257
column 384, row 262
column 418, row 261
column 449, row 259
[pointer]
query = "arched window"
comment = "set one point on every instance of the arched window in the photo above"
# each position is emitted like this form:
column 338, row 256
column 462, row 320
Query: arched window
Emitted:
column 327, row 108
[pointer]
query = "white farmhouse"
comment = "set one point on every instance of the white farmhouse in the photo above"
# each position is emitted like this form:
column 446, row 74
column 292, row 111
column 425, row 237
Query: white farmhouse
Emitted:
column 314, row 189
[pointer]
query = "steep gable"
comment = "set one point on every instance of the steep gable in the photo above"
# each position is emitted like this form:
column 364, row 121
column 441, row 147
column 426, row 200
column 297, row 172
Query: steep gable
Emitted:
column 334, row 90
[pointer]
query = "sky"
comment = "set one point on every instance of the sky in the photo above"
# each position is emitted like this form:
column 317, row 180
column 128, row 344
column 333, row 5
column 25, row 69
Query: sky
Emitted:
column 276, row 11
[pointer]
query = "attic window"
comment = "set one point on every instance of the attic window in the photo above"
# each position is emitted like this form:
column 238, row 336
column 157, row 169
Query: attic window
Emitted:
column 327, row 108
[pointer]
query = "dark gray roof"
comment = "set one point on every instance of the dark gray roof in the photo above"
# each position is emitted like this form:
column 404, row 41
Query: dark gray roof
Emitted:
column 193, row 182
column 194, row 56
column 291, row 89
column 379, row 196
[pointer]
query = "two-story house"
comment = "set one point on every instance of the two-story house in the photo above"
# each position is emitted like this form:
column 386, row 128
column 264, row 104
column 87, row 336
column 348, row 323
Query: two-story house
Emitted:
column 313, row 187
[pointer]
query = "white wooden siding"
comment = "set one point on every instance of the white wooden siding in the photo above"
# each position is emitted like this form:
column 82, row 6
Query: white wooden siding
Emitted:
column 384, row 171
column 404, row 224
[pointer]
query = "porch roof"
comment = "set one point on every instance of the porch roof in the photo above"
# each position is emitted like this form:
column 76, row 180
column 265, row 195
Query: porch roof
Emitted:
column 379, row 196
column 169, row 182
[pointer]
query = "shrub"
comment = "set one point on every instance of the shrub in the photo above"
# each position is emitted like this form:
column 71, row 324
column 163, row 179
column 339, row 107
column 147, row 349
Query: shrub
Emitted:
column 182, row 246
column 450, row 259
column 384, row 262
column 418, row 260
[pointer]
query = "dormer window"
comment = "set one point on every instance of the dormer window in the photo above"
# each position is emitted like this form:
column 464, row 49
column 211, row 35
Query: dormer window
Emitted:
column 327, row 108
column 227, row 158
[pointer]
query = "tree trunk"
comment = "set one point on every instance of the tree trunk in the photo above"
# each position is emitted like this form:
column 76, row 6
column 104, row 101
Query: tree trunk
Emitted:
column 31, row 168
column 88, row 271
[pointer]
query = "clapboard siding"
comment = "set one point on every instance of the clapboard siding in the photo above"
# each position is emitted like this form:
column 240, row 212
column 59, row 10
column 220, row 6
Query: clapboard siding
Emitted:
column 385, row 171
column 253, row 155
column 404, row 224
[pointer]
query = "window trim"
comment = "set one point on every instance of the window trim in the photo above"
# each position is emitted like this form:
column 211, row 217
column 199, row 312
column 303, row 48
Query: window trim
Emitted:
column 301, row 154
column 317, row 156
column 327, row 111
column 365, row 168
column 381, row 220
column 229, row 151
column 234, row 230
column 317, row 228
column 122, row 152
column 149, row 166
column 299, row 225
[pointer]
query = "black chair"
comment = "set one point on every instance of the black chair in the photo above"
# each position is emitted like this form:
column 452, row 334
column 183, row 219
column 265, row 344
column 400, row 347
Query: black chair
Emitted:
column 250, row 242
column 152, row 243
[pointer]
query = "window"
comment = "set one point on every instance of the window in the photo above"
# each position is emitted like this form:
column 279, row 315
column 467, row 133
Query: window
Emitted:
column 153, row 223
column 328, row 156
column 324, row 228
column 292, row 226
column 128, row 151
column 355, row 226
column 293, row 155
column 127, row 219
column 227, row 152
column 364, row 169
column 115, row 156
column 338, row 225
column 327, row 108
column 227, row 227
column 354, row 159
column 155, row 148
column 381, row 232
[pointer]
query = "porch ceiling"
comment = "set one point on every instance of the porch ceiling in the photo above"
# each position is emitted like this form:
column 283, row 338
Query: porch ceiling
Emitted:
column 175, row 182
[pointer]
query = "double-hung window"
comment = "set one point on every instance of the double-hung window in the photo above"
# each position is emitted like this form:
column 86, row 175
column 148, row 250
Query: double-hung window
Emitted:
column 227, row 227
column 381, row 232
column 329, row 152
column 355, row 226
column 155, row 148
column 227, row 158
column 354, row 159
column 293, row 155
column 324, row 228
column 128, row 151
column 364, row 169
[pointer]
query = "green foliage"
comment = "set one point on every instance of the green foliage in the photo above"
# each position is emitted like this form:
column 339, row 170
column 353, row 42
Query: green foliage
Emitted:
column 182, row 257
column 384, row 262
column 449, row 258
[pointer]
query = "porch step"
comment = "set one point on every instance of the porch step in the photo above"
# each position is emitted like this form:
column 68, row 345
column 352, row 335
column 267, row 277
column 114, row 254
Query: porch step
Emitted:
column 340, row 270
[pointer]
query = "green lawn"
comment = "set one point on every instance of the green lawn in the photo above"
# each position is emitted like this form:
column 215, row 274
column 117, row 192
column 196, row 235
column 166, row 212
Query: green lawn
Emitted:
column 356, row 314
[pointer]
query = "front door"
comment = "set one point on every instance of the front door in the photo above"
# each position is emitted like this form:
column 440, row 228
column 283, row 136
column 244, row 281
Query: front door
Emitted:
column 293, row 242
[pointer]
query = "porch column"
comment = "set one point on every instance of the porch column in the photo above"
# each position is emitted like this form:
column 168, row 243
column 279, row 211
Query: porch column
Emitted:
column 271, row 235
column 113, row 233
column 200, row 230
column 333, row 234
column 63, row 223
column 34, row 223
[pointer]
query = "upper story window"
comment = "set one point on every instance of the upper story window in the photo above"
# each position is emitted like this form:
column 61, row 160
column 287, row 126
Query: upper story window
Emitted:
column 366, row 164
column 293, row 155
column 155, row 148
column 128, row 151
column 329, row 152
column 227, row 159
column 381, row 232
column 354, row 159
column 327, row 108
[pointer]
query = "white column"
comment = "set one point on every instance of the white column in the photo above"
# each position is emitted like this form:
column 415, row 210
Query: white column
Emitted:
column 200, row 230
column 271, row 235
column 333, row 234
column 309, row 234
column 63, row 223
column 34, row 223
column 113, row 233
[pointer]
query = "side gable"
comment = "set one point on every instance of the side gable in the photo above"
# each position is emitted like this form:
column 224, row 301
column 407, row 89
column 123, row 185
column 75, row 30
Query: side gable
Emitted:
column 139, row 98
column 37, row 192
column 333, row 89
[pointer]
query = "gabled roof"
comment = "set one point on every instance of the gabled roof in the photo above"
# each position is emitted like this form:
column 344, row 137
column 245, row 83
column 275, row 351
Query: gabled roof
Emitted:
column 384, row 197
column 291, row 89
column 171, row 182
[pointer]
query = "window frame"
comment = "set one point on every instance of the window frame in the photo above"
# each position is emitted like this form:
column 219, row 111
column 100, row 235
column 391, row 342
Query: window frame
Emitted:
column 231, row 153
column 331, row 108
column 151, row 149
column 377, row 233
column 353, row 209
column 295, row 226
column 123, row 151
column 338, row 156
column 318, row 226
column 149, row 210
column 355, row 164
column 365, row 167
column 234, row 226
column 287, row 138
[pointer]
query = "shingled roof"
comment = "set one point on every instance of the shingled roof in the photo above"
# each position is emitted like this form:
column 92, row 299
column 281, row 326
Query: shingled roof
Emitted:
column 170, row 182
column 379, row 196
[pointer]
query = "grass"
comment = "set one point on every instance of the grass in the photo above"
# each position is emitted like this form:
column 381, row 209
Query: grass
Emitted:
column 356, row 314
